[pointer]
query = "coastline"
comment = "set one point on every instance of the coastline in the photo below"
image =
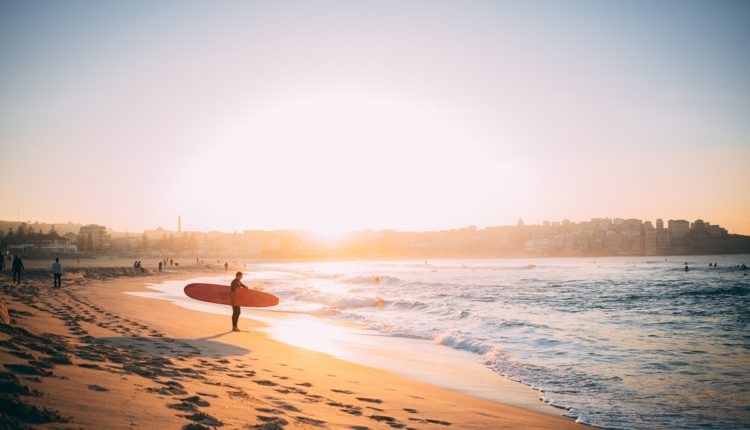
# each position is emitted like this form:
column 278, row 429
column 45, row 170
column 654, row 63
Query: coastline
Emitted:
column 417, row 359
column 88, row 346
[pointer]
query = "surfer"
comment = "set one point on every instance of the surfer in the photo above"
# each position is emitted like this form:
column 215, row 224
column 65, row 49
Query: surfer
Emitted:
column 236, row 283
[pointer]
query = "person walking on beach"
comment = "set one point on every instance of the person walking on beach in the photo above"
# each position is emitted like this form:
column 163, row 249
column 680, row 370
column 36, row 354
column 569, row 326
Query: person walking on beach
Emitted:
column 236, row 283
column 57, row 272
column 226, row 266
column 2, row 262
column 17, row 268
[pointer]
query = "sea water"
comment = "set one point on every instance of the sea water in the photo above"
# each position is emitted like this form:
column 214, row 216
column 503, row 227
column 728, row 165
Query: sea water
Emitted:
column 620, row 343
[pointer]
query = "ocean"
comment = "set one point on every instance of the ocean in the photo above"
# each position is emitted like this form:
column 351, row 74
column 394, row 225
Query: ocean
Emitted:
column 617, row 343
column 621, row 343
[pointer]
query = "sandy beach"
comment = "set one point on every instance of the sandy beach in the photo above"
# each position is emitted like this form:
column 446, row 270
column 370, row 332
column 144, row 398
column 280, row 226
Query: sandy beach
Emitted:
column 90, row 356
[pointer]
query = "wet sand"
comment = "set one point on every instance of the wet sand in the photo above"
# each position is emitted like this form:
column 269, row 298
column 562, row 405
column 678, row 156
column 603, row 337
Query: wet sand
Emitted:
column 90, row 356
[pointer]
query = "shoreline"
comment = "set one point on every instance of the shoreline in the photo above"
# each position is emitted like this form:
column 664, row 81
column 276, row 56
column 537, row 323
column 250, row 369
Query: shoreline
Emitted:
column 178, row 368
column 417, row 359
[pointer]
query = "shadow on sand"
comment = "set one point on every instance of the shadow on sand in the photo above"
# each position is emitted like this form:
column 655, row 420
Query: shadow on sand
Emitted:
column 179, row 347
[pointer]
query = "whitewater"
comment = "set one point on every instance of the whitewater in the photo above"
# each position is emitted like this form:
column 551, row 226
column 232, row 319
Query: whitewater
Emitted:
column 617, row 343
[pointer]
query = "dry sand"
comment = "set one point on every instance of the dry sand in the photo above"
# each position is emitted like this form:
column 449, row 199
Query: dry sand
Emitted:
column 88, row 356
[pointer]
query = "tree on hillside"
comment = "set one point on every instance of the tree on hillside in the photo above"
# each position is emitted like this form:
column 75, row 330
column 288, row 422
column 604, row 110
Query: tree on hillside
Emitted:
column 21, row 233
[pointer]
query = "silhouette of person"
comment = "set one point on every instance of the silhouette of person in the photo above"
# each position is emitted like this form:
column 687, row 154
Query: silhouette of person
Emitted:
column 17, row 268
column 226, row 266
column 160, row 264
column 687, row 269
column 57, row 273
column 2, row 262
column 236, row 283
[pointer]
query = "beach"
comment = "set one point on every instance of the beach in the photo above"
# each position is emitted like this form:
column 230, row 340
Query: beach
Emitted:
column 90, row 356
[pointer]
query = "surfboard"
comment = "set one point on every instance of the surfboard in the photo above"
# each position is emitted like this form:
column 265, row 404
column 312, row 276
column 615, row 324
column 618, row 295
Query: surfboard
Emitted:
column 214, row 293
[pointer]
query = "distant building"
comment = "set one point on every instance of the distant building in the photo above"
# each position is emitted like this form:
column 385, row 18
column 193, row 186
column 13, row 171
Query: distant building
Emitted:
column 99, row 235
column 651, row 245
column 663, row 242
column 715, row 230
column 678, row 228
column 660, row 224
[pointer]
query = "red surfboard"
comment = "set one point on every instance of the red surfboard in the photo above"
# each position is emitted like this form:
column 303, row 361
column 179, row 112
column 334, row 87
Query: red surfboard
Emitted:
column 214, row 293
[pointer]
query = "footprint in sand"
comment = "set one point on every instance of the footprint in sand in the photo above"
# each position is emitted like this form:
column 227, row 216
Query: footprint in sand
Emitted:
column 204, row 418
column 94, row 387
column 287, row 406
column 269, row 423
column 369, row 400
column 430, row 421
column 196, row 400
column 310, row 421
column 382, row 418
column 349, row 409
column 265, row 382
column 184, row 407
column 270, row 411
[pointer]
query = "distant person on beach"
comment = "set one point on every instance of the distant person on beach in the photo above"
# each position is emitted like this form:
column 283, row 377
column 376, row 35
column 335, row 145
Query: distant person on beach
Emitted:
column 2, row 262
column 226, row 266
column 160, row 264
column 17, row 268
column 236, row 283
column 57, row 273
column 687, row 269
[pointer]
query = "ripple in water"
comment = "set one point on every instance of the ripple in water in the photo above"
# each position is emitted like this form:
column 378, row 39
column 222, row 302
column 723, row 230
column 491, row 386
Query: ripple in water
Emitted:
column 620, row 343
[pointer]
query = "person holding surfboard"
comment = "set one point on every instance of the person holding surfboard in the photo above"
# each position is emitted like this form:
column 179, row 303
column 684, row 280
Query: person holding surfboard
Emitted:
column 236, row 283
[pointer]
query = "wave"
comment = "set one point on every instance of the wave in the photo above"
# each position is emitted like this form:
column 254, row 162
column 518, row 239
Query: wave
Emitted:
column 375, row 279
column 464, row 343
column 485, row 267
column 735, row 290
column 337, row 301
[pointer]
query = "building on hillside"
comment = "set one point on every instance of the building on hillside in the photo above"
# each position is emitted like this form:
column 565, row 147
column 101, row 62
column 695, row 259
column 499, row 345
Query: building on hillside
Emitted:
column 99, row 235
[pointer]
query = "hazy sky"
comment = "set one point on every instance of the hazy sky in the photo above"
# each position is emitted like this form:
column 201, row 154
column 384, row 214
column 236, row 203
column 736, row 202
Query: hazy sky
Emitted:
column 346, row 115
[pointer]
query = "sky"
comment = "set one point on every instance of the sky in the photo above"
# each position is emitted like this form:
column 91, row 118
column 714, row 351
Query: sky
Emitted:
column 411, row 115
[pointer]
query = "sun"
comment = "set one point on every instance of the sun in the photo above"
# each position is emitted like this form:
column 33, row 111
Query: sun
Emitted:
column 335, row 162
